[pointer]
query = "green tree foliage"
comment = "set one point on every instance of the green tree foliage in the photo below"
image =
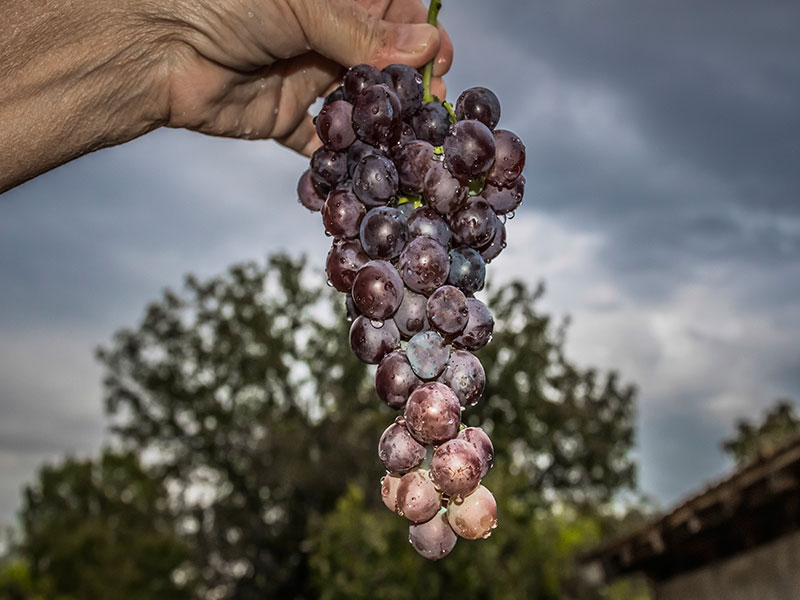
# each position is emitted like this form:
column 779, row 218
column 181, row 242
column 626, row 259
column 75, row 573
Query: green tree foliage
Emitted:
column 779, row 424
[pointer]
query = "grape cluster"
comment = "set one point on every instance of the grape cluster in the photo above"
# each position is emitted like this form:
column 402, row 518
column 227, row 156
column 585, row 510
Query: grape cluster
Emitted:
column 416, row 196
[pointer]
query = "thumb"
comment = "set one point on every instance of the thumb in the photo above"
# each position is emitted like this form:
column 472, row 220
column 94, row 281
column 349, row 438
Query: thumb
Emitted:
column 344, row 31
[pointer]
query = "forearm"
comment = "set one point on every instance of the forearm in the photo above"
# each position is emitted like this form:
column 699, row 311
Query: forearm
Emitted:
column 75, row 76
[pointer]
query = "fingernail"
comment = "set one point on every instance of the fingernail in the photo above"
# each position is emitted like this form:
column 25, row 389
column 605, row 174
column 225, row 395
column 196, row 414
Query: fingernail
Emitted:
column 415, row 39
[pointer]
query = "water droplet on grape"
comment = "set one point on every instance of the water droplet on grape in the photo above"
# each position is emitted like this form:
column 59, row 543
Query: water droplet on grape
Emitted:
column 376, row 323
column 511, row 215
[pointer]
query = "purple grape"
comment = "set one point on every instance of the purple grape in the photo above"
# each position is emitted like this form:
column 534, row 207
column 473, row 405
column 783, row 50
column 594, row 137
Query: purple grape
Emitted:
column 344, row 260
column 467, row 270
column 375, row 180
column 337, row 94
column 447, row 310
column 433, row 413
column 342, row 214
column 376, row 115
column 356, row 152
column 509, row 159
column 412, row 316
column 407, row 84
column 478, row 103
column 475, row 224
column 384, row 233
column 433, row 539
column 406, row 134
column 417, row 497
column 469, row 150
column 413, row 160
column 370, row 342
column 464, row 375
column 431, row 123
column 480, row 325
column 406, row 208
column 426, row 221
column 307, row 194
column 428, row 354
column 395, row 380
column 378, row 290
column 424, row 264
column 389, row 485
column 475, row 517
column 444, row 193
column 335, row 125
column 328, row 167
column 398, row 451
column 505, row 200
column 491, row 250
column 350, row 307
column 478, row 438
column 456, row 468
column 360, row 77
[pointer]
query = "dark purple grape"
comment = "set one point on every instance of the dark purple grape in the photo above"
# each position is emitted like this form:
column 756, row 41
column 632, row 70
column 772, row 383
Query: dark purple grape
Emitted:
column 467, row 270
column 431, row 123
column 360, row 77
column 337, row 94
column 417, row 497
column 447, row 310
column 375, row 180
column 478, row 103
column 356, row 152
column 427, row 354
column 491, row 250
column 475, row 224
column 307, row 194
column 371, row 342
column 406, row 209
column 328, row 167
column 433, row 413
column 424, row 264
column 342, row 214
column 376, row 115
column 478, row 438
column 378, row 290
column 384, row 233
column 344, row 260
column 350, row 307
column 406, row 134
column 469, row 150
column 475, row 517
column 407, row 84
column 464, row 375
column 426, row 221
column 398, row 451
column 413, row 160
column 335, row 125
column 412, row 316
column 480, row 325
column 444, row 193
column 509, row 159
column 395, row 380
column 433, row 539
column 505, row 200
column 456, row 468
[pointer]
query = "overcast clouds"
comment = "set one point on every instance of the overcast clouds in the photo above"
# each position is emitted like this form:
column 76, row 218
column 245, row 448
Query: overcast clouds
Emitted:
column 663, row 212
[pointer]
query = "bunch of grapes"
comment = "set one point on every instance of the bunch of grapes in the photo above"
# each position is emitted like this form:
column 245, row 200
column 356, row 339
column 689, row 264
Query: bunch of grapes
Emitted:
column 416, row 195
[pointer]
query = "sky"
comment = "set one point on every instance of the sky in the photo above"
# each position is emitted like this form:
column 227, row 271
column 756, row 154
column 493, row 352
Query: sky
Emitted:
column 662, row 212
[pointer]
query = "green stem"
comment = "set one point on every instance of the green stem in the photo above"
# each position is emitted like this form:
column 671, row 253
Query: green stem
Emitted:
column 433, row 15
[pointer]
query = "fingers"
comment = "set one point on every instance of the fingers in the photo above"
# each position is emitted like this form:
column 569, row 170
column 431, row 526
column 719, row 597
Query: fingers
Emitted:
column 414, row 11
column 303, row 139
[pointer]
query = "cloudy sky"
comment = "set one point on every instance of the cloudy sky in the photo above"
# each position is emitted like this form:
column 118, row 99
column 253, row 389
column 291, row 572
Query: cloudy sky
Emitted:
column 662, row 211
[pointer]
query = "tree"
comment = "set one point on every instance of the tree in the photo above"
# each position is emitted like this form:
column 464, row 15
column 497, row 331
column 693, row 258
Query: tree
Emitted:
column 751, row 440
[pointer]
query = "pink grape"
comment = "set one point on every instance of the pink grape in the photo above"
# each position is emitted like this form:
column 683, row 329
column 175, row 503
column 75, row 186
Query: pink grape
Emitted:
column 433, row 413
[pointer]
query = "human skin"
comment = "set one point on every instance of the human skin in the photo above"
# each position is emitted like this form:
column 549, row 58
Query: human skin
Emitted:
column 80, row 75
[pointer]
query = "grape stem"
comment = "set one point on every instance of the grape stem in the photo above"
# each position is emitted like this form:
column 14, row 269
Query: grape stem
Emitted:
column 433, row 15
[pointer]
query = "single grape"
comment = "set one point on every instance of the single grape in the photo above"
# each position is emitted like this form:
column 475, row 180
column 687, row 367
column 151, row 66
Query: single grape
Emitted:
column 433, row 539
column 360, row 77
column 478, row 103
column 509, row 159
column 389, row 484
column 447, row 310
column 431, row 123
column 378, row 290
column 491, row 250
column 475, row 517
column 433, row 413
column 337, row 94
column 424, row 264
column 428, row 354
column 407, row 84
column 412, row 316
column 384, row 233
column 342, row 214
column 464, row 375
column 307, row 194
column 371, row 342
column 426, row 221
column 444, row 193
column 351, row 309
column 480, row 325
column 345, row 258
column 456, row 468
column 505, row 200
column 413, row 160
column 375, row 180
column 467, row 270
column 335, row 125
column 395, row 380
column 356, row 152
column 475, row 224
column 469, row 150
column 376, row 115
column 398, row 451
column 328, row 167
column 417, row 497
column 478, row 438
